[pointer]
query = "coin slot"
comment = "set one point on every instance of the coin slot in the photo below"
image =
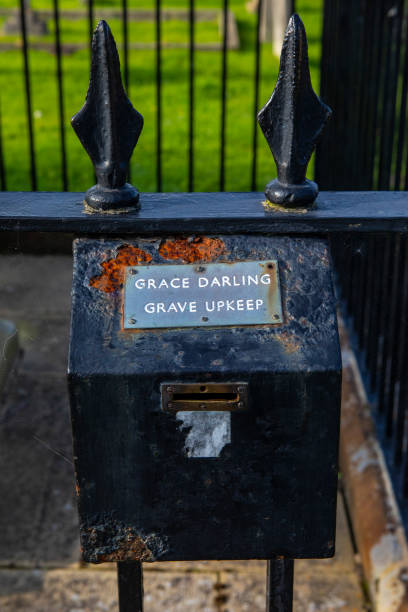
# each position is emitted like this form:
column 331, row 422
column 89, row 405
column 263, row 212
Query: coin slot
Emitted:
column 210, row 397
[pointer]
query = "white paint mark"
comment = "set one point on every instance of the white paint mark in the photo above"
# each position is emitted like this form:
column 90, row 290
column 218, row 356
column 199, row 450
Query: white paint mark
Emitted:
column 208, row 432
column 362, row 459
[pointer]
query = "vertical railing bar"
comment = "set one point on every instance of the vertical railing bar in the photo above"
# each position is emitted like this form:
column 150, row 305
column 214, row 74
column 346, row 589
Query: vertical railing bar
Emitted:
column 374, row 347
column 359, row 161
column 336, row 33
column 353, row 274
column 321, row 165
column 125, row 34
column 355, row 93
column 60, row 97
column 383, row 306
column 372, row 326
column 362, row 289
column 3, row 182
column 191, row 97
column 358, row 285
column 27, row 83
column 339, row 102
column 385, row 399
column 360, row 174
column 370, row 275
column 130, row 586
column 373, row 131
column 344, row 264
column 389, row 103
column 368, row 127
column 223, row 94
column 403, row 112
column 256, row 95
column 388, row 314
column 401, row 353
column 384, row 99
column 90, row 24
column 395, row 335
column 158, row 98
column 279, row 585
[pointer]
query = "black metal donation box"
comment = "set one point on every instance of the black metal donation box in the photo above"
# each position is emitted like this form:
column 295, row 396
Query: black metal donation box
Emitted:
column 205, row 392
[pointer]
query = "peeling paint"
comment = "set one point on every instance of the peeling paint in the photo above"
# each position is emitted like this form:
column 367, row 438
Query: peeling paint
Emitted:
column 289, row 343
column 362, row 459
column 208, row 432
column 190, row 250
column 120, row 543
column 112, row 277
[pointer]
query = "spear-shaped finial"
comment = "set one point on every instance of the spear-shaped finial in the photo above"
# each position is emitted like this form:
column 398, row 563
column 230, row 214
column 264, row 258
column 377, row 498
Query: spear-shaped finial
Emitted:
column 108, row 127
column 292, row 121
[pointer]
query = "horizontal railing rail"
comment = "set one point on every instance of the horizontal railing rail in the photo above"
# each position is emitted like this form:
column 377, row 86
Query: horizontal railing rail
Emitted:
column 346, row 212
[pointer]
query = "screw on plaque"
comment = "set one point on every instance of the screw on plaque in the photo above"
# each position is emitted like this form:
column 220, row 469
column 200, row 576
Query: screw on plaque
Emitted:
column 108, row 127
column 292, row 121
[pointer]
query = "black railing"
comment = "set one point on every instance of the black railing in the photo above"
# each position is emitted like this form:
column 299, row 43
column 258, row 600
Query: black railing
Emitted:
column 364, row 78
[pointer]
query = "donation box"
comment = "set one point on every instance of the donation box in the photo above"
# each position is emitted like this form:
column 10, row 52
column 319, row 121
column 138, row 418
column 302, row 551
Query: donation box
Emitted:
column 204, row 377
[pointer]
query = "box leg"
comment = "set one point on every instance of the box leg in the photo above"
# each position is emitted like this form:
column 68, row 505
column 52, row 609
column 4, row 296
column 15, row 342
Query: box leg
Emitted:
column 130, row 586
column 279, row 586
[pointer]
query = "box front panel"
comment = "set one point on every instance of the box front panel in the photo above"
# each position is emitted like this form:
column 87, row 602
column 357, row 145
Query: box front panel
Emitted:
column 169, row 478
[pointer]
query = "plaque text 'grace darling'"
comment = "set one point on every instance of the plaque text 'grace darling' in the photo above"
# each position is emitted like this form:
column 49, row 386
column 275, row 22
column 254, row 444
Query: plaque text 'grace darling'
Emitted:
column 222, row 294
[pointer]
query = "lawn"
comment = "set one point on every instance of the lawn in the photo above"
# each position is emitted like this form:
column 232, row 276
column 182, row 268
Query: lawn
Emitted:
column 240, row 100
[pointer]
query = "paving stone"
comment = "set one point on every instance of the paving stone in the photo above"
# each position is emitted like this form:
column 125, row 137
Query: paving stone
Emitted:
column 38, row 519
column 44, row 343
column 87, row 591
column 35, row 286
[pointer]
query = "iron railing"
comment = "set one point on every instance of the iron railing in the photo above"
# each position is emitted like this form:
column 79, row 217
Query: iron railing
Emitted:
column 364, row 77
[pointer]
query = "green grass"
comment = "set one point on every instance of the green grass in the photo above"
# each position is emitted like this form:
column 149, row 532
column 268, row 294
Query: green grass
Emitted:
column 240, row 101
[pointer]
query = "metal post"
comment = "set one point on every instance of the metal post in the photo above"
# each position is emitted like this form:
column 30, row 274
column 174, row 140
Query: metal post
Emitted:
column 130, row 586
column 279, row 586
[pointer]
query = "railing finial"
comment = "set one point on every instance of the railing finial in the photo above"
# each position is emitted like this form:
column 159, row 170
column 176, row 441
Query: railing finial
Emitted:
column 292, row 121
column 108, row 127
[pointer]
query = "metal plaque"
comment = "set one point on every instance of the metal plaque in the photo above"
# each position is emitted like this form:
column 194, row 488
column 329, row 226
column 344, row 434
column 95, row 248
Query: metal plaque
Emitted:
column 220, row 294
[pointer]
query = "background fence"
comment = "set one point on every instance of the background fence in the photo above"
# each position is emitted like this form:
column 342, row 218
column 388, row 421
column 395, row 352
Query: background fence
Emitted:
column 364, row 78
column 197, row 87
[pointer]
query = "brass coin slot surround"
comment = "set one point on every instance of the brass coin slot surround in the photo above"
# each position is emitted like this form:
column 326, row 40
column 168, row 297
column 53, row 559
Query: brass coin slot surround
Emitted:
column 209, row 396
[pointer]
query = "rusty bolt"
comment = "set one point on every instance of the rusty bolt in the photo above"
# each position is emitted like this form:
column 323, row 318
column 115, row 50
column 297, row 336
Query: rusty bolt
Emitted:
column 132, row 321
column 132, row 271
column 204, row 318
column 276, row 316
column 199, row 269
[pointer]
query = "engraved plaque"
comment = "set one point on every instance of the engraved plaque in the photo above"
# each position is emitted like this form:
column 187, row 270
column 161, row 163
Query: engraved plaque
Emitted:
column 219, row 294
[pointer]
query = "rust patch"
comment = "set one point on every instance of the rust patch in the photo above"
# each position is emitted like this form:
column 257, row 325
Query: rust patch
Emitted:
column 111, row 279
column 190, row 250
column 115, row 542
column 289, row 343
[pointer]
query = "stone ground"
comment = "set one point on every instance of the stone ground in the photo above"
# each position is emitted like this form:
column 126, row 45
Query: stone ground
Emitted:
column 40, row 568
